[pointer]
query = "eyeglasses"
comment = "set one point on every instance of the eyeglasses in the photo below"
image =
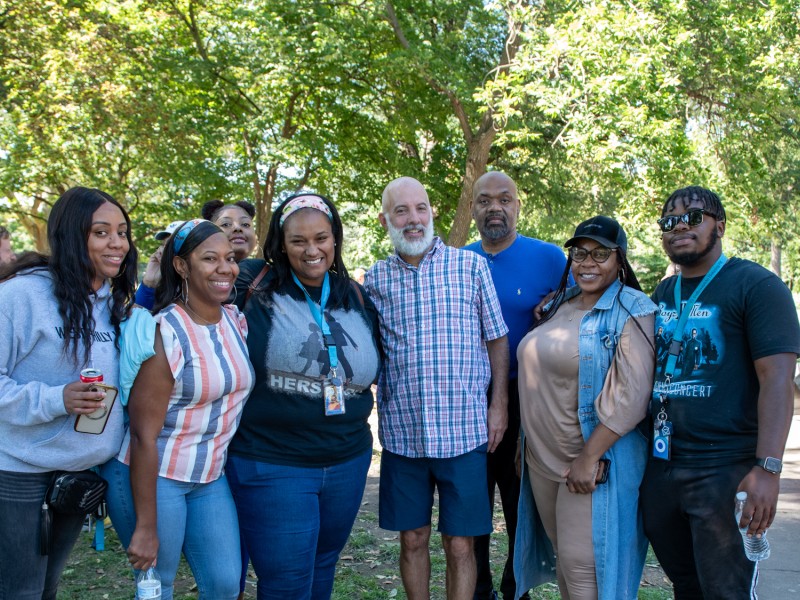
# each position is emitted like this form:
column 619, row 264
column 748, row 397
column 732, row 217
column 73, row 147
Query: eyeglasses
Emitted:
column 599, row 254
column 692, row 218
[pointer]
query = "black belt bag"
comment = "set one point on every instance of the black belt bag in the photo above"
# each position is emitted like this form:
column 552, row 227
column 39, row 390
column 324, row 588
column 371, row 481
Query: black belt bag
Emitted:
column 78, row 493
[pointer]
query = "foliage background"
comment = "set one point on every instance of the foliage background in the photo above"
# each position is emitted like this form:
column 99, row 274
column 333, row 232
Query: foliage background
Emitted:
column 592, row 106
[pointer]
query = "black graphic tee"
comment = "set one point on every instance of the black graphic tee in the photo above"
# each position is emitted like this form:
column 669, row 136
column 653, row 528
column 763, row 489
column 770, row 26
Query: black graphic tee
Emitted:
column 284, row 419
column 746, row 313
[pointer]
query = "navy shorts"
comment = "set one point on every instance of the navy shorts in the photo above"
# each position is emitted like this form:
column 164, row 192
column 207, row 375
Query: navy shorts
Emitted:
column 406, row 493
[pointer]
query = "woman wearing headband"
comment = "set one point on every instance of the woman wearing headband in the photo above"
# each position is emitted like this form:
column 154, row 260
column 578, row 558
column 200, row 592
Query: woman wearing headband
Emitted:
column 585, row 378
column 298, row 464
column 168, row 492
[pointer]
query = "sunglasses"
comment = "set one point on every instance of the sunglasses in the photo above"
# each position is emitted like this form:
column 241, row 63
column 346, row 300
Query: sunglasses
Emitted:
column 693, row 218
column 599, row 255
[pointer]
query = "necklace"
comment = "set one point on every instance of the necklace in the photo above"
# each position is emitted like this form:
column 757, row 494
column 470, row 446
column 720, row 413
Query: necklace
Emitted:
column 575, row 308
column 204, row 321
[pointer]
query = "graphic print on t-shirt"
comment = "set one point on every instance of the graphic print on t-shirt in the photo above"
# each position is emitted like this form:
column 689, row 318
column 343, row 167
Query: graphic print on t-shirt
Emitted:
column 702, row 350
column 296, row 358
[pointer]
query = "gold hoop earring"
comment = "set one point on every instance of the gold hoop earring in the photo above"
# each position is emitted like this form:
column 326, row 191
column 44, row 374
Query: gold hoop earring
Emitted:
column 185, row 290
column 235, row 293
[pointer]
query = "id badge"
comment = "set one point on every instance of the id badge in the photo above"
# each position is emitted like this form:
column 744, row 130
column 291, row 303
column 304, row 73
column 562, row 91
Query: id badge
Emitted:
column 333, row 395
column 662, row 441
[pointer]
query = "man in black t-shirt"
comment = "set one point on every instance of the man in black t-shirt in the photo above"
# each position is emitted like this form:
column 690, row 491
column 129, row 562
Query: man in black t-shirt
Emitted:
column 722, row 428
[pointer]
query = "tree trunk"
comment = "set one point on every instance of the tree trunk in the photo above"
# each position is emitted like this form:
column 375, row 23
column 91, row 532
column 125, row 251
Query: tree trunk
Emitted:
column 477, row 158
column 266, row 193
column 775, row 257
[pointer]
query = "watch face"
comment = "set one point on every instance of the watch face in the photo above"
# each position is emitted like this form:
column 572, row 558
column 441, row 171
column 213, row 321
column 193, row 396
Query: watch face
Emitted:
column 773, row 465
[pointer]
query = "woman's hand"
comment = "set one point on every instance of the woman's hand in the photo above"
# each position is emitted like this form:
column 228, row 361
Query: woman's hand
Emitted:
column 143, row 549
column 581, row 475
column 80, row 399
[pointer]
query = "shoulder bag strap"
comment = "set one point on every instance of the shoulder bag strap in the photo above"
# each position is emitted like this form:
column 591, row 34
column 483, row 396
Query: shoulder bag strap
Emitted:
column 254, row 285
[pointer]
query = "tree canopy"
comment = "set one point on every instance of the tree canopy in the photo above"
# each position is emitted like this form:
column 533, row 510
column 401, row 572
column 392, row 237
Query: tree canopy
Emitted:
column 591, row 106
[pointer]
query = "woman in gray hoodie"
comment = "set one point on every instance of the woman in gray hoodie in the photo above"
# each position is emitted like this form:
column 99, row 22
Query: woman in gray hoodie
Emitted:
column 59, row 314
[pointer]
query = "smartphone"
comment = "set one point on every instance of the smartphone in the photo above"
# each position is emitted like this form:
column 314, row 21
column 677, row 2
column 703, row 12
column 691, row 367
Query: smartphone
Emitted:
column 603, row 468
column 95, row 422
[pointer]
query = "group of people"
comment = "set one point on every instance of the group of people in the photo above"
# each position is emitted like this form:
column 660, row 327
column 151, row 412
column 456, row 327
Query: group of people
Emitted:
column 241, row 432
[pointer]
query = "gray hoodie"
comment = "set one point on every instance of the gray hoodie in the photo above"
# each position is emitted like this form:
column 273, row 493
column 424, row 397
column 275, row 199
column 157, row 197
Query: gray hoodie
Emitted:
column 36, row 433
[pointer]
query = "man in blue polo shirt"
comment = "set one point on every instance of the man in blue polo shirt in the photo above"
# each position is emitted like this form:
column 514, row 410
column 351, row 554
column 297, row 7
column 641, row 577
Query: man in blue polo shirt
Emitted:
column 524, row 270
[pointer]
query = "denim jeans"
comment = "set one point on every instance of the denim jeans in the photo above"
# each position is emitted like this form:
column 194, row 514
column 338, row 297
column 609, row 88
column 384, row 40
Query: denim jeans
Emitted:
column 196, row 518
column 295, row 522
column 24, row 573
column 688, row 517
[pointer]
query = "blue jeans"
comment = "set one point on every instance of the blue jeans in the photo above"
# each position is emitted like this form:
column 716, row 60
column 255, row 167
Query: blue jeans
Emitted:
column 196, row 518
column 295, row 522
column 24, row 573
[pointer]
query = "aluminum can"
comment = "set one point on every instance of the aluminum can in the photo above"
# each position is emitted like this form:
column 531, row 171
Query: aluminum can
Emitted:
column 91, row 376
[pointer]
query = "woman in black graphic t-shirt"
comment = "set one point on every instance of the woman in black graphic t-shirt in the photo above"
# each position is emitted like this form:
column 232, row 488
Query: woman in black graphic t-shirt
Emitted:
column 299, row 460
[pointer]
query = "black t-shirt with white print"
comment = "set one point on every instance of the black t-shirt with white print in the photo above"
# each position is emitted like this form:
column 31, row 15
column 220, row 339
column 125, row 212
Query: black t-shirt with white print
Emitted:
column 745, row 313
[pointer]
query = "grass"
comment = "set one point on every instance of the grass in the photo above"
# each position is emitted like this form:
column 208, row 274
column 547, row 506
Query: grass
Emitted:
column 368, row 568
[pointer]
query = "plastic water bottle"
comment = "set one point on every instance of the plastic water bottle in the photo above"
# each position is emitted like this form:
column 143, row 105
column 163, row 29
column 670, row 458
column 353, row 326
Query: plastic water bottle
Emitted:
column 148, row 585
column 754, row 547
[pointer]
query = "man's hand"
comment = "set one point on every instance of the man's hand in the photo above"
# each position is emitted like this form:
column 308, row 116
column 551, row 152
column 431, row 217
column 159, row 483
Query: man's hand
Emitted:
column 762, row 490
column 497, row 420
column 152, row 272
column 539, row 310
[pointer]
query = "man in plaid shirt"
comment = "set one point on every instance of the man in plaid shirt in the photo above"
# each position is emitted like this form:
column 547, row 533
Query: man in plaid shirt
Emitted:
column 444, row 338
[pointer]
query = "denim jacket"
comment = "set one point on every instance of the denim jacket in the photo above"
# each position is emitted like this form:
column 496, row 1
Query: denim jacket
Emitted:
column 619, row 543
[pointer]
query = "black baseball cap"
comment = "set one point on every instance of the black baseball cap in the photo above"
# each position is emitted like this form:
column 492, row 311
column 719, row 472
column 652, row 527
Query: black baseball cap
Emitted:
column 603, row 230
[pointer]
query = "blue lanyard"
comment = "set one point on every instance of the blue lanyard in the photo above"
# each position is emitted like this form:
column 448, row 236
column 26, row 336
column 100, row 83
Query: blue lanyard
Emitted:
column 683, row 314
column 318, row 312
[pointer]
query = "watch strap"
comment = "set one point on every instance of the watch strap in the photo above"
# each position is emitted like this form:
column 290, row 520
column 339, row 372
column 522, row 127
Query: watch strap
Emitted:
column 770, row 464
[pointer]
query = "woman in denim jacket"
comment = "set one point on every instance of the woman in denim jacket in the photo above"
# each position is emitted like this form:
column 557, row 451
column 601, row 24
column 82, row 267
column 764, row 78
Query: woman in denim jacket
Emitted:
column 586, row 373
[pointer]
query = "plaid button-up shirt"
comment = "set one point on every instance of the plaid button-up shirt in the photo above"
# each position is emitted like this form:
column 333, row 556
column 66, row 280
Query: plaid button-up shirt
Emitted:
column 435, row 320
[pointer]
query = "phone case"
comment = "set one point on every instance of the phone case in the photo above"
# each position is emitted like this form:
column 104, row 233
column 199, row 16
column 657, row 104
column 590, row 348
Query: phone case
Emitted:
column 95, row 422
column 602, row 472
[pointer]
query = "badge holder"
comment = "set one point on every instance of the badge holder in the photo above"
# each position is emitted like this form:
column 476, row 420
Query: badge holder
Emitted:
column 333, row 393
column 662, row 433
column 332, row 385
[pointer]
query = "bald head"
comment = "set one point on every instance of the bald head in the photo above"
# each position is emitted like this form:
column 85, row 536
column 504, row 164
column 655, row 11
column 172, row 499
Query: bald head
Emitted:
column 402, row 187
column 495, row 209
column 494, row 180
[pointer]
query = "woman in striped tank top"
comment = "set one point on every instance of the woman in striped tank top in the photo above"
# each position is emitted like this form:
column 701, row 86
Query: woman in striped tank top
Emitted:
column 184, row 408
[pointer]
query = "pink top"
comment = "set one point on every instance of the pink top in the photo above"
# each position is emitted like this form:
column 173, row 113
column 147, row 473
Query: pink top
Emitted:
column 213, row 378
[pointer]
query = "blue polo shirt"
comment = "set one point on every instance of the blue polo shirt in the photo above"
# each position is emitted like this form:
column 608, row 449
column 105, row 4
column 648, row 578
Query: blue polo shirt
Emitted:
column 523, row 274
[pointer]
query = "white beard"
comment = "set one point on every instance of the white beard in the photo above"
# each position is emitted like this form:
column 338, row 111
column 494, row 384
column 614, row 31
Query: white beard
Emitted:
column 405, row 247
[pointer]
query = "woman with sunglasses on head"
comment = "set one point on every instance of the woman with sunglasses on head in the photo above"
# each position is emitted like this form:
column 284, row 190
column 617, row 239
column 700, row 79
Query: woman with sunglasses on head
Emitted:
column 168, row 491
column 298, row 464
column 585, row 378
column 59, row 314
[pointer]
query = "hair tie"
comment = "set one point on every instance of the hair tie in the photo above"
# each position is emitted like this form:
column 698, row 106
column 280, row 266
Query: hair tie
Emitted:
column 305, row 201
column 183, row 232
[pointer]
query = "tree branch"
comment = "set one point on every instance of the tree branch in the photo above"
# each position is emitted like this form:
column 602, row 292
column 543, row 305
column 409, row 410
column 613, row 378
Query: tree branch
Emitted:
column 458, row 107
